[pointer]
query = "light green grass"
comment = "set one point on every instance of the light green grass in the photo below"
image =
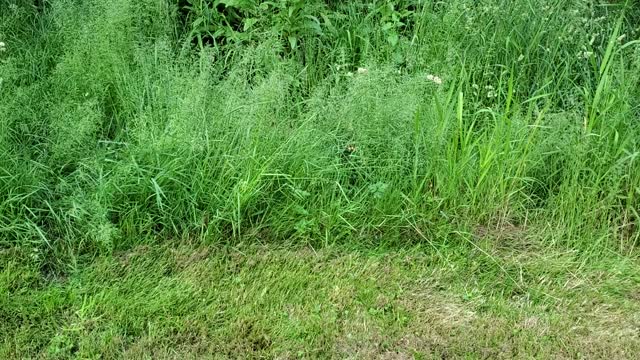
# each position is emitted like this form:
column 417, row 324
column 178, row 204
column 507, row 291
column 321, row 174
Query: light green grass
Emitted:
column 191, row 126
column 252, row 301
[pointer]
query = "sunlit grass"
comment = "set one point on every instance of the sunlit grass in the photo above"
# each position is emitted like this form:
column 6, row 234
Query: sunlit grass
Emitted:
column 385, row 124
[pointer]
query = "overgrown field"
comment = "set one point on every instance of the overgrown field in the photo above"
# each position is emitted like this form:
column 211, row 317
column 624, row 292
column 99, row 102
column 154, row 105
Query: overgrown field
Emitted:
column 320, row 178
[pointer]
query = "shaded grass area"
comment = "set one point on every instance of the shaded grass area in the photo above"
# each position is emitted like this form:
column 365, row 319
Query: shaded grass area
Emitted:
column 298, row 302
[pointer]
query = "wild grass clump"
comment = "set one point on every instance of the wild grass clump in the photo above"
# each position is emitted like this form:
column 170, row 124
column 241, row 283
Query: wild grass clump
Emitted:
column 124, row 122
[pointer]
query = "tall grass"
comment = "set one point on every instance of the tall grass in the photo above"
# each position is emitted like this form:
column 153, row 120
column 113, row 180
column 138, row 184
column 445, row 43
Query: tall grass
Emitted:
column 133, row 121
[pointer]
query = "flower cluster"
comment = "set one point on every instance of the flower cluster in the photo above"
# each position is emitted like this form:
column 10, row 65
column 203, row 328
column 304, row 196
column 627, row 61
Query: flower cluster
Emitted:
column 434, row 79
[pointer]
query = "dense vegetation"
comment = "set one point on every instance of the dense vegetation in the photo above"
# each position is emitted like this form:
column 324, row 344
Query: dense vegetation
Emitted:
column 365, row 123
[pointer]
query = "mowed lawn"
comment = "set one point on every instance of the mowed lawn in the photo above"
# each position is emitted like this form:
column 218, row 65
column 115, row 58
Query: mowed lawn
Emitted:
column 268, row 301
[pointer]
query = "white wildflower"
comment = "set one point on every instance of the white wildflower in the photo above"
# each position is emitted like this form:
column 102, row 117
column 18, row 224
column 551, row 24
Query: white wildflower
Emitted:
column 363, row 71
column 35, row 254
column 586, row 54
column 434, row 79
column 491, row 94
column 2, row 46
column 475, row 88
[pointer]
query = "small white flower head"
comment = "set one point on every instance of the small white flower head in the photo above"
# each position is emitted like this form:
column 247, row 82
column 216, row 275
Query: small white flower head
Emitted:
column 434, row 79
column 475, row 86
column 586, row 54
column 363, row 71
column 349, row 74
column 491, row 94
column 35, row 254
column 2, row 46
column 520, row 58
column 488, row 87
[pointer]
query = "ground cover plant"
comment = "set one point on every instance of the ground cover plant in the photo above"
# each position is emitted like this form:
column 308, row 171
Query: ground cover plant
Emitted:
column 319, row 179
